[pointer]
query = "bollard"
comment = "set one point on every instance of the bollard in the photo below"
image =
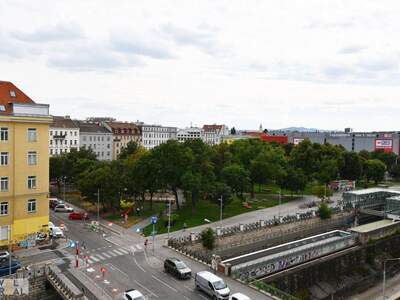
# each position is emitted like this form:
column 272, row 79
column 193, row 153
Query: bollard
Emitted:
column 241, row 227
column 297, row 216
column 192, row 236
column 262, row 223
column 218, row 231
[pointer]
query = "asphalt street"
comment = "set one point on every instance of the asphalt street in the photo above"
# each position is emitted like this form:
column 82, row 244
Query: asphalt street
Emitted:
column 127, row 264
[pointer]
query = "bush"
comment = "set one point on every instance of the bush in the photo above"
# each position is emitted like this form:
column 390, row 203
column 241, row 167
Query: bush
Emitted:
column 324, row 211
column 208, row 238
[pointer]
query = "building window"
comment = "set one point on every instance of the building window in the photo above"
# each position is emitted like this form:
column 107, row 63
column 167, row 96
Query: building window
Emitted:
column 4, row 159
column 75, row 133
column 65, row 142
column 3, row 208
column 32, row 205
column 3, row 184
column 51, row 151
column 51, row 132
column 84, row 138
column 32, row 135
column 32, row 158
column 31, row 182
column 75, row 142
column 4, row 134
column 13, row 94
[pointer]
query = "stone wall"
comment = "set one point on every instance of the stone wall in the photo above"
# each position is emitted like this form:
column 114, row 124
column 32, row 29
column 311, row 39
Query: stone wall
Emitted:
column 344, row 275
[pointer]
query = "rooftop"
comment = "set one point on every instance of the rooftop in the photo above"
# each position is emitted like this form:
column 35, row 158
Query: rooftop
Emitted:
column 373, row 190
column 9, row 94
column 63, row 122
column 372, row 226
column 87, row 127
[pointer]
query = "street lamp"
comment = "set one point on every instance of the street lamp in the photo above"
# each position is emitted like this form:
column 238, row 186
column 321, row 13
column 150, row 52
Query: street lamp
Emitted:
column 384, row 275
column 221, row 203
column 64, row 180
column 169, row 216
column 279, row 204
column 98, row 204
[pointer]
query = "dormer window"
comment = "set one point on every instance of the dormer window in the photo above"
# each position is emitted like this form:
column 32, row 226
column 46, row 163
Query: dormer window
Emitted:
column 2, row 108
column 12, row 94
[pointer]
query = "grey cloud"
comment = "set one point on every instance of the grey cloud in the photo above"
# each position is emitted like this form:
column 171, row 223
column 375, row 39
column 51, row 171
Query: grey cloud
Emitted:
column 59, row 32
column 378, row 65
column 352, row 49
column 337, row 71
column 91, row 59
column 203, row 37
column 135, row 46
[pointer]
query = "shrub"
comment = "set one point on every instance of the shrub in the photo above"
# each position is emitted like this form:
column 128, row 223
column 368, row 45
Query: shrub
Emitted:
column 324, row 211
column 208, row 238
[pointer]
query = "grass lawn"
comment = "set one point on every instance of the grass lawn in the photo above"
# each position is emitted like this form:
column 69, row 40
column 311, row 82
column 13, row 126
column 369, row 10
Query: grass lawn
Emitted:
column 211, row 211
column 274, row 189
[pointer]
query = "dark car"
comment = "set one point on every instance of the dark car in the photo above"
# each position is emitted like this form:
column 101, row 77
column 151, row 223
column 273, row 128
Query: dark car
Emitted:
column 177, row 268
column 53, row 202
column 5, row 268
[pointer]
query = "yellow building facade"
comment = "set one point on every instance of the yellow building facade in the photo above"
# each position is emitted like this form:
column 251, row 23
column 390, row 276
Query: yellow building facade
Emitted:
column 24, row 170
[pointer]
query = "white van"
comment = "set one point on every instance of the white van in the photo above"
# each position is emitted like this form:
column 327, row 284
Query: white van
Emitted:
column 239, row 296
column 212, row 285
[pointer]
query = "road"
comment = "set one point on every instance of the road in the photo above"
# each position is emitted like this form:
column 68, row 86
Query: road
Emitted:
column 127, row 265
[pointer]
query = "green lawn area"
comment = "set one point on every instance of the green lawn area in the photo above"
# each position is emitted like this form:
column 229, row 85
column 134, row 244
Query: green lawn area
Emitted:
column 274, row 189
column 211, row 211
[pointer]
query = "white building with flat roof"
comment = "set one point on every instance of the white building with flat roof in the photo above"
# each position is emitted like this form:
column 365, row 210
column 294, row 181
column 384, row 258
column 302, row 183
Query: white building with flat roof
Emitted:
column 190, row 133
column 63, row 135
column 155, row 135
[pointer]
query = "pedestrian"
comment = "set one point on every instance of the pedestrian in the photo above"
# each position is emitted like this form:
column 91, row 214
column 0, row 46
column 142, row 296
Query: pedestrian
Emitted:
column 146, row 241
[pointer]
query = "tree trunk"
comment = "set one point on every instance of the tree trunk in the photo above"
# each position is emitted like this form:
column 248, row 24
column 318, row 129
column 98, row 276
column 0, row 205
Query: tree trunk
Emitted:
column 175, row 191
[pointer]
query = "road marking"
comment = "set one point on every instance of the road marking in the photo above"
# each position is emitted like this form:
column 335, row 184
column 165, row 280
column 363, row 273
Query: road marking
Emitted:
column 140, row 267
column 106, row 255
column 90, row 270
column 112, row 253
column 100, row 256
column 138, row 246
column 94, row 258
column 164, row 283
column 185, row 297
column 202, row 296
column 124, row 251
column 142, row 286
column 90, row 261
column 119, row 270
column 117, row 252
column 106, row 281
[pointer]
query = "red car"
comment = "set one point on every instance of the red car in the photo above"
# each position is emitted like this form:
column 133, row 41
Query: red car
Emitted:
column 78, row 216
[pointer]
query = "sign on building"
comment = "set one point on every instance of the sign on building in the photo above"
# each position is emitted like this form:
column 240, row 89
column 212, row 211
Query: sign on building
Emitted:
column 384, row 144
column 15, row 287
column 297, row 141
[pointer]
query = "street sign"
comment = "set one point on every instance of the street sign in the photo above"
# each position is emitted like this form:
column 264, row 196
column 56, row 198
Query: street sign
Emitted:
column 154, row 220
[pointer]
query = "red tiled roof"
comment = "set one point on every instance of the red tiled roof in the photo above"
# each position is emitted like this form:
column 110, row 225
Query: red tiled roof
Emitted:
column 122, row 128
column 6, row 89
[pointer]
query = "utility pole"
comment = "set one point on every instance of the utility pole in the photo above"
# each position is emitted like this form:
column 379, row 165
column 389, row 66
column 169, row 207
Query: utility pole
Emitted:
column 279, row 205
column 64, row 187
column 169, row 216
column 9, row 249
column 221, row 202
column 98, row 204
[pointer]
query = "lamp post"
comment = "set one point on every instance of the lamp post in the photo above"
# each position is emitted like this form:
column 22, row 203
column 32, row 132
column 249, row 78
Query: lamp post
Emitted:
column 384, row 275
column 169, row 216
column 279, row 205
column 220, row 214
column 98, row 204
column 64, row 180
column 9, row 249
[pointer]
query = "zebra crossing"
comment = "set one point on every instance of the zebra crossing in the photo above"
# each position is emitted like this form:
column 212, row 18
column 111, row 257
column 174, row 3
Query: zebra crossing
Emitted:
column 110, row 253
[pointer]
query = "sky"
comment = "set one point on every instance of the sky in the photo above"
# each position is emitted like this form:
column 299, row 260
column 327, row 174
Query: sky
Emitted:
column 323, row 64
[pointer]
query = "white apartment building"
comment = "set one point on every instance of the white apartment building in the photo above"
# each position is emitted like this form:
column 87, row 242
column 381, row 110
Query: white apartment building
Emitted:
column 214, row 134
column 97, row 138
column 155, row 135
column 63, row 135
column 189, row 133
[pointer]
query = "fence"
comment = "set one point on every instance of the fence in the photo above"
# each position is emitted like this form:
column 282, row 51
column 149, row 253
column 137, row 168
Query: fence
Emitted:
column 184, row 244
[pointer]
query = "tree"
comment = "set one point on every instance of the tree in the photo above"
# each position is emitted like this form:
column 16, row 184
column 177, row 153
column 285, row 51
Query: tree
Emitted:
column 294, row 180
column 328, row 171
column 129, row 149
column 57, row 170
column 374, row 169
column 237, row 177
column 233, row 131
column 395, row 172
column 324, row 211
column 208, row 238
column 321, row 191
column 388, row 158
column 352, row 166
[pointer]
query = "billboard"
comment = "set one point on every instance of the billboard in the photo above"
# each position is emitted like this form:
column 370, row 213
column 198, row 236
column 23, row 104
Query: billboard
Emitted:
column 297, row 141
column 384, row 144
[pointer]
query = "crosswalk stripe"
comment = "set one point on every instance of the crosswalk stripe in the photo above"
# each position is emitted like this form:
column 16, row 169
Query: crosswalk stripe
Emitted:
column 99, row 256
column 112, row 253
column 90, row 261
column 123, row 251
column 138, row 246
column 117, row 251
column 106, row 255
column 95, row 258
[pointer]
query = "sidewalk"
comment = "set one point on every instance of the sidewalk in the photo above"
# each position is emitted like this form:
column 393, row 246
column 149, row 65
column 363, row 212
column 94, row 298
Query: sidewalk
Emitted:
column 62, row 244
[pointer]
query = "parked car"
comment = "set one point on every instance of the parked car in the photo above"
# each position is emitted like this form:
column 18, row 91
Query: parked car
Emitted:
column 56, row 232
column 177, row 268
column 4, row 255
column 63, row 208
column 5, row 268
column 239, row 296
column 78, row 216
column 41, row 236
column 53, row 202
column 212, row 285
column 133, row 294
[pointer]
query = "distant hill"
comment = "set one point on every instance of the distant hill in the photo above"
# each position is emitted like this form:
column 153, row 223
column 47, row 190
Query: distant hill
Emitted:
column 303, row 129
